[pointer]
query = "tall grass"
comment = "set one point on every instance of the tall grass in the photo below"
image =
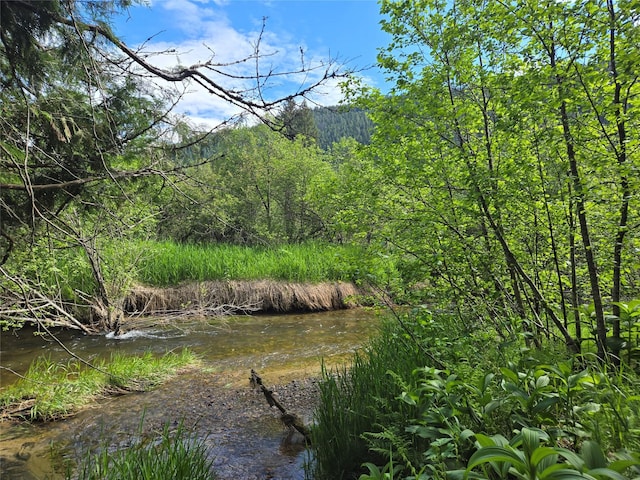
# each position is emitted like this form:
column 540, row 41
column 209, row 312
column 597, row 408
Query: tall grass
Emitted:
column 67, row 272
column 167, row 263
column 358, row 399
column 175, row 455
column 51, row 390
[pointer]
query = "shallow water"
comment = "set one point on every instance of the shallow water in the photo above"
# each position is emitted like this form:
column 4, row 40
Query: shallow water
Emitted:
column 245, row 438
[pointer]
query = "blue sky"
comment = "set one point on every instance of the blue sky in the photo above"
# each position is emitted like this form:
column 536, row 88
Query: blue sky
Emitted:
column 194, row 30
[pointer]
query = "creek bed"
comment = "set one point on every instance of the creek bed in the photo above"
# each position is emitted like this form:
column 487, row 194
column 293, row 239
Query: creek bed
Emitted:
column 245, row 437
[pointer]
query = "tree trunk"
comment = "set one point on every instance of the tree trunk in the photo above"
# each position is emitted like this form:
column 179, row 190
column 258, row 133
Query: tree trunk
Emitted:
column 621, row 156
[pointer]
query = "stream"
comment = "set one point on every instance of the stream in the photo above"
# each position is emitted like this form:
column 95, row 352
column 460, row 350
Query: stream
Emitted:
column 245, row 438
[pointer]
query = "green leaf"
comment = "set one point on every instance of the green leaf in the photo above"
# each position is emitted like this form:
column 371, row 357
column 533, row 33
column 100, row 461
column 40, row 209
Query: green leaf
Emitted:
column 545, row 455
column 510, row 374
column 495, row 454
column 463, row 474
column 552, row 470
column 622, row 465
column 593, row 455
column 13, row 151
column 606, row 473
column 542, row 381
column 564, row 474
column 572, row 457
column 495, row 440
column 544, row 405
column 486, row 381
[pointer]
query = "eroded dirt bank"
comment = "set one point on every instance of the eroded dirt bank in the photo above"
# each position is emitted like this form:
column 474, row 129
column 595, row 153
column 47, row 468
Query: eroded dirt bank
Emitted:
column 264, row 296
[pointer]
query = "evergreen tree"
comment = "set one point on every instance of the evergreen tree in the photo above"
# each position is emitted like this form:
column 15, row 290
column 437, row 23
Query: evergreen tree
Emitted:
column 298, row 120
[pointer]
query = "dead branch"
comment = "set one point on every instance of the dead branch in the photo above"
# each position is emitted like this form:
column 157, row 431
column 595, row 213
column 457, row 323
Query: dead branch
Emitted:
column 290, row 420
column 195, row 72
column 148, row 171
column 34, row 306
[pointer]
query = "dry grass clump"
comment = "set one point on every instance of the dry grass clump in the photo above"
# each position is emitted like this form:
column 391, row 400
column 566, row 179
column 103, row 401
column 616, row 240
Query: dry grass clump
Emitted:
column 233, row 296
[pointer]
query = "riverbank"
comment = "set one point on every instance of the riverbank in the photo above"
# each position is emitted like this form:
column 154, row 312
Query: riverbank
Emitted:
column 55, row 390
column 244, row 437
column 236, row 296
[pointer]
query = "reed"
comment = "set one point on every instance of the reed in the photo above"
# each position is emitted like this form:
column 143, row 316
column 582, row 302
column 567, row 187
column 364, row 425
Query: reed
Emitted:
column 176, row 455
column 356, row 399
column 51, row 390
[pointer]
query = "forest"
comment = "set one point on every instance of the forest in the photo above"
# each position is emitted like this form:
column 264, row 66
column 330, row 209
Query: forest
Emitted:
column 493, row 195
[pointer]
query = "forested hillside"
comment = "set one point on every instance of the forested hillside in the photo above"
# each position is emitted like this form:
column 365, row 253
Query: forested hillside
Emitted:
column 336, row 123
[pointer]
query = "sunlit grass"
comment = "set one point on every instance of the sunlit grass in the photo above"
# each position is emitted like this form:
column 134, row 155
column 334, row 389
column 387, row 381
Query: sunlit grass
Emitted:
column 51, row 390
column 175, row 455
column 352, row 403
column 167, row 263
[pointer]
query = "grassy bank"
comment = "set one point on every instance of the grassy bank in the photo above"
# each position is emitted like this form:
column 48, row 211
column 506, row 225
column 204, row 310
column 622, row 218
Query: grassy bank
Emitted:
column 51, row 390
column 168, row 263
column 164, row 264
column 442, row 399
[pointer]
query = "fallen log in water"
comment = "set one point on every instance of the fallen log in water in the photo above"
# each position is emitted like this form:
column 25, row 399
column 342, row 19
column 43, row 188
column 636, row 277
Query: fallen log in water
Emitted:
column 290, row 420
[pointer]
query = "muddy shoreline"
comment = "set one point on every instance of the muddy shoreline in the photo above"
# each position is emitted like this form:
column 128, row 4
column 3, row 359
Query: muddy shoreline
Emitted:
column 245, row 437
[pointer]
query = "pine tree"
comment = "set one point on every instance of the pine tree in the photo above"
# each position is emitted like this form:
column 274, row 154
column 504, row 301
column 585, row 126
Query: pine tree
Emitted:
column 298, row 120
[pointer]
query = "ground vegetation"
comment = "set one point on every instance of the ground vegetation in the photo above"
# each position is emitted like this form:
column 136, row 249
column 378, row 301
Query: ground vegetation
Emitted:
column 54, row 390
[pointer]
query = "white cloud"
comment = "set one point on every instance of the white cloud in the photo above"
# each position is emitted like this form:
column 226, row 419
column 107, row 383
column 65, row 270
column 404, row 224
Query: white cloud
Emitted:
column 209, row 36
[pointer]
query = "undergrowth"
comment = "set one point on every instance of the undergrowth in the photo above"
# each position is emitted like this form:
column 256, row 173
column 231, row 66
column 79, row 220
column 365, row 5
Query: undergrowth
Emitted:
column 432, row 398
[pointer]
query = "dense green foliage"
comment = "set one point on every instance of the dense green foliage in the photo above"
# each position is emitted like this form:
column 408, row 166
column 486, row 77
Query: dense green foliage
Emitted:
column 503, row 169
column 64, row 128
column 253, row 190
column 502, row 176
column 52, row 390
column 76, row 128
column 175, row 455
column 427, row 399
